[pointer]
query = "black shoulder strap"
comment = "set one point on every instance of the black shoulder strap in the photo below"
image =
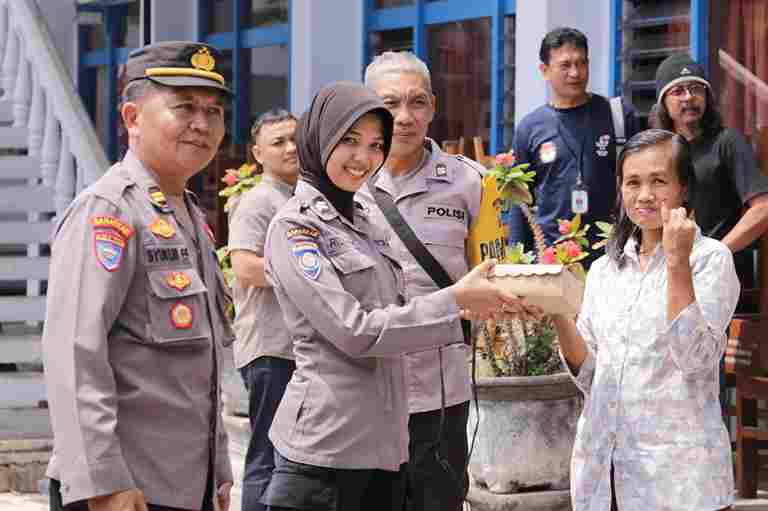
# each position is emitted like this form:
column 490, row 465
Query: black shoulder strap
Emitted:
column 417, row 249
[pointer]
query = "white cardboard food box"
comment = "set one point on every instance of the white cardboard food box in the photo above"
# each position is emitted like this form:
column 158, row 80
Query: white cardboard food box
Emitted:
column 549, row 286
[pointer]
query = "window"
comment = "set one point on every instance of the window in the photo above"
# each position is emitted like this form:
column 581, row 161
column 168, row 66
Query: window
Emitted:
column 472, row 76
column 253, row 36
column 108, row 31
column 651, row 31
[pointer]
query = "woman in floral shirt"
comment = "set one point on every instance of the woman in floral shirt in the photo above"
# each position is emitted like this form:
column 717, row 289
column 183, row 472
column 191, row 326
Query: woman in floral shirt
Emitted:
column 646, row 347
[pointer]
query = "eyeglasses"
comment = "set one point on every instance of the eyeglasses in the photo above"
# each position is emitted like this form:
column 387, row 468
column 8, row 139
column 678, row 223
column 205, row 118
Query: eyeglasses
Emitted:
column 694, row 89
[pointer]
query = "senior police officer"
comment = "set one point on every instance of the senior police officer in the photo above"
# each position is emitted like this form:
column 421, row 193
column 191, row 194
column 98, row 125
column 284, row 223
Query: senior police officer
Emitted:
column 438, row 195
column 135, row 323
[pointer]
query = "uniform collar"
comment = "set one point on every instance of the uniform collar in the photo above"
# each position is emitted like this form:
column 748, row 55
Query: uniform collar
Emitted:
column 310, row 197
column 435, row 168
column 278, row 183
column 146, row 179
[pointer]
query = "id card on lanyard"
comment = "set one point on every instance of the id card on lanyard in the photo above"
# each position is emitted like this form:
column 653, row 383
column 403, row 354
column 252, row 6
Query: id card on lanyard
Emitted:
column 579, row 193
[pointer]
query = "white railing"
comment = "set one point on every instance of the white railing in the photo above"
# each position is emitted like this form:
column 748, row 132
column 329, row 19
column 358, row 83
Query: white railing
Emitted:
column 44, row 100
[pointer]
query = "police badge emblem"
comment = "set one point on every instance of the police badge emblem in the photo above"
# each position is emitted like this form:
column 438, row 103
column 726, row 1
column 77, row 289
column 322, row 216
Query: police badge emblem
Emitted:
column 547, row 152
column 178, row 280
column 161, row 227
column 109, row 247
column 307, row 255
column 181, row 315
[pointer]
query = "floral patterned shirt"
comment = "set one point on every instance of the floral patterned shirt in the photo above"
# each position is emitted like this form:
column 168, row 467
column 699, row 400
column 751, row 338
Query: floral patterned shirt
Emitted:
column 651, row 386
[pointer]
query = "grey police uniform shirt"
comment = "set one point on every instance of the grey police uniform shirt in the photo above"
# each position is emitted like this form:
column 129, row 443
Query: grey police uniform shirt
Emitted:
column 342, row 297
column 440, row 201
column 134, row 337
column 259, row 325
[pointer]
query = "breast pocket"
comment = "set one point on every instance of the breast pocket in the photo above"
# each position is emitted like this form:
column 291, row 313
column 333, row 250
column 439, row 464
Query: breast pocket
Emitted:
column 356, row 272
column 447, row 244
column 177, row 308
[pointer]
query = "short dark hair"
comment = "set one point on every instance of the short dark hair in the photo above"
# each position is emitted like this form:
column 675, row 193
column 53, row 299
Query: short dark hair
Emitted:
column 711, row 121
column 559, row 37
column 271, row 116
column 624, row 228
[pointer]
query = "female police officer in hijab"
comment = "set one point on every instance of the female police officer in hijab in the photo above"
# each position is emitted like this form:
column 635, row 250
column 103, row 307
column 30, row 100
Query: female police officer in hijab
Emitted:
column 341, row 431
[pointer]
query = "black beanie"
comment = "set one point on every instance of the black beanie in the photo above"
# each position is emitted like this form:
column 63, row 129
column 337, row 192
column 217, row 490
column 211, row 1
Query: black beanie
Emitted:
column 676, row 69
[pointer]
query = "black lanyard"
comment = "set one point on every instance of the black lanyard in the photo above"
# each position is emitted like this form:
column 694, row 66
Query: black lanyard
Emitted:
column 562, row 130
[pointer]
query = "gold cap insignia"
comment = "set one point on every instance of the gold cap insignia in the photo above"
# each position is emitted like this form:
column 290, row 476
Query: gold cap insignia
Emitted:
column 203, row 59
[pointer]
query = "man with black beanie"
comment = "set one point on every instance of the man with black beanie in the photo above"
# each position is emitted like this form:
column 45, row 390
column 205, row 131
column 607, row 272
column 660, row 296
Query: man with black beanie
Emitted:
column 728, row 178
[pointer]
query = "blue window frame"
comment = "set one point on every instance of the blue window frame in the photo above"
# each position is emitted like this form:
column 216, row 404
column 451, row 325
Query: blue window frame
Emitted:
column 419, row 15
column 103, row 49
column 237, row 43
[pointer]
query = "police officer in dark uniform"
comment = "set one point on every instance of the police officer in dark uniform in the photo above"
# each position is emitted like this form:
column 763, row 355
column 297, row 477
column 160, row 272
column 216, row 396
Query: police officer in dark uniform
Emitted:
column 135, row 327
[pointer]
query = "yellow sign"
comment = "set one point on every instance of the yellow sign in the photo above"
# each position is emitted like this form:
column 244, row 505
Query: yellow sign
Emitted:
column 488, row 237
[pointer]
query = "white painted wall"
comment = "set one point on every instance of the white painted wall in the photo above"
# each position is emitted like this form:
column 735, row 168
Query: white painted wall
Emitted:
column 173, row 20
column 534, row 19
column 327, row 46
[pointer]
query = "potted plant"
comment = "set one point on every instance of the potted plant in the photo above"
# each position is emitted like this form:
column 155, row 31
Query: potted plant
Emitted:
column 528, row 405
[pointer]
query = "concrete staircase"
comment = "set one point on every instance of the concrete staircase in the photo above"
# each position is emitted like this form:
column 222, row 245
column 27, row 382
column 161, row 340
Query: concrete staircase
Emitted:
column 48, row 152
column 26, row 210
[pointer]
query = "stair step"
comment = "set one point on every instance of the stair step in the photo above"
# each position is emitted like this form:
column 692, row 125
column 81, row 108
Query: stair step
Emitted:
column 20, row 425
column 36, row 198
column 21, row 308
column 13, row 138
column 20, row 349
column 6, row 111
column 26, row 232
column 19, row 167
column 23, row 268
column 21, row 389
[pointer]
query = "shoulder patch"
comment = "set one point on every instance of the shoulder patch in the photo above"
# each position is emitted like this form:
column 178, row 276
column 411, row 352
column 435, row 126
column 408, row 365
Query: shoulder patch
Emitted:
column 477, row 167
column 307, row 255
column 108, row 247
column 110, row 222
column 301, row 232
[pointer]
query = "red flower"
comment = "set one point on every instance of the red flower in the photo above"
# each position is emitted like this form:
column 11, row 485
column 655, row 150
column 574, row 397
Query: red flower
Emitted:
column 549, row 256
column 564, row 226
column 505, row 159
column 230, row 179
column 572, row 249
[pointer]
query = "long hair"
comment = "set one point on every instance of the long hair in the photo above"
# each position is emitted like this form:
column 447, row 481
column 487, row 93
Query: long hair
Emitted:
column 624, row 228
column 711, row 121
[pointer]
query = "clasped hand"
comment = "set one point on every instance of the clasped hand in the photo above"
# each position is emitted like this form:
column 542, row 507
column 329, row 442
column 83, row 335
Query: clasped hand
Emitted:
column 480, row 299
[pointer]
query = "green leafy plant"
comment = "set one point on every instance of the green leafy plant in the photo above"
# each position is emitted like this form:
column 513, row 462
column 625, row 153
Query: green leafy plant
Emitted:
column 530, row 348
column 238, row 181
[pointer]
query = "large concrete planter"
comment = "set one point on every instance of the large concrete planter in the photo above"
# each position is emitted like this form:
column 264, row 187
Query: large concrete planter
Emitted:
column 527, row 428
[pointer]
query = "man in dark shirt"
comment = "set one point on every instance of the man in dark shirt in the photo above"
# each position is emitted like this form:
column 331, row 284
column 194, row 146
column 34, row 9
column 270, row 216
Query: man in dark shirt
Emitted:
column 570, row 142
column 728, row 178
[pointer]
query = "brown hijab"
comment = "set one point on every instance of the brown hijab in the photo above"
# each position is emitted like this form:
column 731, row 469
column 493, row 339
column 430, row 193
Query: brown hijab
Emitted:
column 332, row 113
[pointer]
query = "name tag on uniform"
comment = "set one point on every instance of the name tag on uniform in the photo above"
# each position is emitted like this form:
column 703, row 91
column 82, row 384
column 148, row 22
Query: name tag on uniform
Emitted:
column 444, row 212
column 155, row 255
